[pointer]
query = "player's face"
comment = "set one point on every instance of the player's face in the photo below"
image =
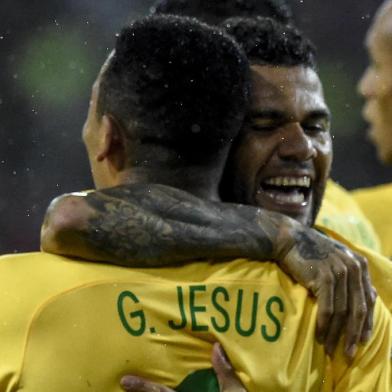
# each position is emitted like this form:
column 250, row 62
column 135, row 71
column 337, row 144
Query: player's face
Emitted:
column 284, row 154
column 376, row 83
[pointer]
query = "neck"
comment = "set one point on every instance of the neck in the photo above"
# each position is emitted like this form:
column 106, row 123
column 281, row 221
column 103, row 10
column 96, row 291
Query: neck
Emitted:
column 200, row 183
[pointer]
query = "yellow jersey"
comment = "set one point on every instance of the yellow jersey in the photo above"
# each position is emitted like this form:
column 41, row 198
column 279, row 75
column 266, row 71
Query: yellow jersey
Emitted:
column 380, row 267
column 75, row 326
column 376, row 203
column 341, row 214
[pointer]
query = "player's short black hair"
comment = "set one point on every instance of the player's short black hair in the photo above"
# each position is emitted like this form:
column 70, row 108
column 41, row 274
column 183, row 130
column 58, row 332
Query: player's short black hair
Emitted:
column 266, row 41
column 215, row 11
column 178, row 83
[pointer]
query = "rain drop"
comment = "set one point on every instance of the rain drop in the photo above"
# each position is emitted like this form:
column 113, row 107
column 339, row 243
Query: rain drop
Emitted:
column 196, row 128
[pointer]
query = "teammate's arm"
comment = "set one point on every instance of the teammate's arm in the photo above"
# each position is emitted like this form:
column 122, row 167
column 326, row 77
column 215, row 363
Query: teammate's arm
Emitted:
column 154, row 225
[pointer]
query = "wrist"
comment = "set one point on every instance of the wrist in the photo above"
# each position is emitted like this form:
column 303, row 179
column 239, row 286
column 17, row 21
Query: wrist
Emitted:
column 285, row 239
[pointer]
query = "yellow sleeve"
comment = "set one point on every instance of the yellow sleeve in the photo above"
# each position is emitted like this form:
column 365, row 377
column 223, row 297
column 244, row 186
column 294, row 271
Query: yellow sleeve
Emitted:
column 371, row 369
column 376, row 203
column 341, row 214
column 380, row 268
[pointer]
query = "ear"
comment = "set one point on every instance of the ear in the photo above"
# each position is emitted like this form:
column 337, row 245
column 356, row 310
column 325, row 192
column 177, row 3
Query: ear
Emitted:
column 112, row 143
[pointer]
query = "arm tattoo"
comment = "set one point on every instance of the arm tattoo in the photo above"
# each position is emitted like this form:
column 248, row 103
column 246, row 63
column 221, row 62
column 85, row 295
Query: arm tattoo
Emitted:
column 121, row 229
column 309, row 249
column 154, row 225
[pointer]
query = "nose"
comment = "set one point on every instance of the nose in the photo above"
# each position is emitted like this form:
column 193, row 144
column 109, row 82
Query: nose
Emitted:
column 295, row 144
column 367, row 84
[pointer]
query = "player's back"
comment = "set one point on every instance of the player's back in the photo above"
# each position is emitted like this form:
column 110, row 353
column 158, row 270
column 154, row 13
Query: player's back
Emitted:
column 73, row 326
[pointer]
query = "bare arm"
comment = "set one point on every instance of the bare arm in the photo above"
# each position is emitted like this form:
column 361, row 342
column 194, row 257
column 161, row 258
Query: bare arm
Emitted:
column 154, row 225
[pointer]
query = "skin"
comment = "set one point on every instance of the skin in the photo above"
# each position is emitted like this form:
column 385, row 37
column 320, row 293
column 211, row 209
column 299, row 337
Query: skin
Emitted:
column 376, row 83
column 105, row 143
column 119, row 222
column 286, row 134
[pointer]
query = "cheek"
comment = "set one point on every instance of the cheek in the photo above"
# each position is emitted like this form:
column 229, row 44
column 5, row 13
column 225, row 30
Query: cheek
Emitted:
column 384, row 81
column 381, row 135
column 252, row 154
column 90, row 148
column 384, row 109
column 324, row 155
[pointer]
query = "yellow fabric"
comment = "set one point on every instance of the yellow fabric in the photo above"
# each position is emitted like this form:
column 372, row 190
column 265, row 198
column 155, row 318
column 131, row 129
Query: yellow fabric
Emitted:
column 73, row 326
column 376, row 203
column 340, row 213
column 380, row 267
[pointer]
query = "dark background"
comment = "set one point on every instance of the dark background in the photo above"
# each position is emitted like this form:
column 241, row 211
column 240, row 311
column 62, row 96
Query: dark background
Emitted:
column 50, row 53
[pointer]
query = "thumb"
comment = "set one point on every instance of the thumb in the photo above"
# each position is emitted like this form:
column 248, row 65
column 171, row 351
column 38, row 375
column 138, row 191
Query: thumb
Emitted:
column 228, row 380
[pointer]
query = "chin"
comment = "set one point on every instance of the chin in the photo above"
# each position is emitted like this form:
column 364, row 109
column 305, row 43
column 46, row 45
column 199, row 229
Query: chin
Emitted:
column 384, row 151
column 385, row 157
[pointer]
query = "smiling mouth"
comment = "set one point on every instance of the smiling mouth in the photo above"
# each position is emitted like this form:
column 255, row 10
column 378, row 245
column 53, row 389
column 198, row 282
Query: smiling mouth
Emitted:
column 291, row 192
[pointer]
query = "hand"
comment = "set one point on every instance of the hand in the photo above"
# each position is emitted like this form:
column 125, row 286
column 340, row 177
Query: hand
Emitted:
column 228, row 381
column 140, row 384
column 340, row 281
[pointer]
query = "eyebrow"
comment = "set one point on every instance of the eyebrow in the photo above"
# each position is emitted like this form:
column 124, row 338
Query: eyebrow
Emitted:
column 273, row 114
column 319, row 114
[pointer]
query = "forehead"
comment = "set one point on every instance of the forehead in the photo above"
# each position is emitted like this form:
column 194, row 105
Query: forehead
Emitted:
column 286, row 88
column 380, row 32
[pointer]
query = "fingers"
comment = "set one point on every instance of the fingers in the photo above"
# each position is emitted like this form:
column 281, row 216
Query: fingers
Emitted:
column 346, row 301
column 139, row 384
column 324, row 292
column 357, row 310
column 340, row 281
column 339, row 316
column 370, row 296
column 368, row 324
column 228, row 380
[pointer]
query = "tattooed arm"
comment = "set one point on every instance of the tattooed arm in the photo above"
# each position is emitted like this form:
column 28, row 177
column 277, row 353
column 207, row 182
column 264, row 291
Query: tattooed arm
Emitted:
column 154, row 225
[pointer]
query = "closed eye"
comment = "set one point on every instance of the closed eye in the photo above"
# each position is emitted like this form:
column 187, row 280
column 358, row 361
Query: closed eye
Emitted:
column 315, row 128
column 265, row 120
column 263, row 128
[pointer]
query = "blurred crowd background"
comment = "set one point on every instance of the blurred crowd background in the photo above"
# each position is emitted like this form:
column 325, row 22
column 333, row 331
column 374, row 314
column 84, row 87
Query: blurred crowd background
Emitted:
column 50, row 53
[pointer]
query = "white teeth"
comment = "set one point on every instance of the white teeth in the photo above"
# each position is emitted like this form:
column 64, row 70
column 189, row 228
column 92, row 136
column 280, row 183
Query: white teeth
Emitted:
column 294, row 198
column 304, row 181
